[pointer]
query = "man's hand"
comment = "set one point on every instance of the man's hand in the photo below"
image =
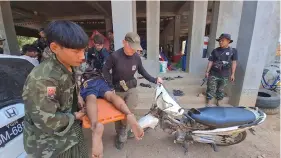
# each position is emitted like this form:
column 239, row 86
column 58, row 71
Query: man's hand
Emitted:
column 79, row 115
column 232, row 78
column 137, row 130
column 81, row 102
column 207, row 74
column 159, row 80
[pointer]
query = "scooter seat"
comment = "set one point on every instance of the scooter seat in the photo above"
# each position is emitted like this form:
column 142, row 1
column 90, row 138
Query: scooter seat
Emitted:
column 222, row 117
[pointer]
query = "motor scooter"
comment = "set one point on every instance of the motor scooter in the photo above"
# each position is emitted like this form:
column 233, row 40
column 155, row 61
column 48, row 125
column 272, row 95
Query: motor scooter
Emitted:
column 217, row 126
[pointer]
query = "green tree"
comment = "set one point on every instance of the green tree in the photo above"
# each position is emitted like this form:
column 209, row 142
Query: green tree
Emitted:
column 23, row 40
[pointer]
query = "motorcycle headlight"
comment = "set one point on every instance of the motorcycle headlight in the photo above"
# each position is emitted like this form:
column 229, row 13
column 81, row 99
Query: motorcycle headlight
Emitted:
column 162, row 104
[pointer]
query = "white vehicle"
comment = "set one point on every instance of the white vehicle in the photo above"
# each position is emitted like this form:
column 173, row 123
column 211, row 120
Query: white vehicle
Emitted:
column 222, row 126
column 13, row 73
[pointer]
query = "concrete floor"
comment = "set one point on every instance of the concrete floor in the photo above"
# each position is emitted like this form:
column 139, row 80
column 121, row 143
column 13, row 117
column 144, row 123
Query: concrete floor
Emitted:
column 157, row 144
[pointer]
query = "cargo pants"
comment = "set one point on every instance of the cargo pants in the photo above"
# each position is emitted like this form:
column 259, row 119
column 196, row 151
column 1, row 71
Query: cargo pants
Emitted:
column 131, row 99
column 215, row 87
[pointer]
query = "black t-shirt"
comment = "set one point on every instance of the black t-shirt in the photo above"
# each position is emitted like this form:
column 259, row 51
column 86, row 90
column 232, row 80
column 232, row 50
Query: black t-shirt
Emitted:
column 223, row 54
column 96, row 59
column 123, row 68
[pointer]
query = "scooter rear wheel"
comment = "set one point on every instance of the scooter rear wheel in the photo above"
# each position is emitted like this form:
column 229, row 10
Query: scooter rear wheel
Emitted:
column 232, row 139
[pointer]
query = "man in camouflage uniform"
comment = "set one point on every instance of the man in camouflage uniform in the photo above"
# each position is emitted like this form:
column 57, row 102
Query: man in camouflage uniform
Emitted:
column 52, row 116
column 46, row 54
column 222, row 61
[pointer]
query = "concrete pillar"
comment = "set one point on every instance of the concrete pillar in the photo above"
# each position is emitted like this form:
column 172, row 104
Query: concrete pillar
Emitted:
column 226, row 19
column 123, row 20
column 177, row 30
column 134, row 12
column 108, row 24
column 196, row 31
column 7, row 29
column 259, row 28
column 153, row 31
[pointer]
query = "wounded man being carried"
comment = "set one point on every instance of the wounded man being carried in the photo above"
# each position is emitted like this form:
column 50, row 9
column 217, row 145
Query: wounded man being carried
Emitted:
column 94, row 86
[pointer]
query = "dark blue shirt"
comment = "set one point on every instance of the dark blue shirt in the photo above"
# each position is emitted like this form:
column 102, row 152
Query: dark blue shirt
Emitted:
column 96, row 59
column 223, row 54
column 124, row 68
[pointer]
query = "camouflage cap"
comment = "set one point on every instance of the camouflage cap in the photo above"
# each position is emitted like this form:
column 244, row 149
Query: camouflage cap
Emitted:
column 134, row 40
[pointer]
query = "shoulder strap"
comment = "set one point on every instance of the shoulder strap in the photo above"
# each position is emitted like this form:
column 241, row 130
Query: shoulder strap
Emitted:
column 230, row 55
column 219, row 56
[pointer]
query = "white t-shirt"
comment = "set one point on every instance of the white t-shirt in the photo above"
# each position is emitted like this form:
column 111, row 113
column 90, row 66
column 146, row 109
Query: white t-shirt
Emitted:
column 33, row 61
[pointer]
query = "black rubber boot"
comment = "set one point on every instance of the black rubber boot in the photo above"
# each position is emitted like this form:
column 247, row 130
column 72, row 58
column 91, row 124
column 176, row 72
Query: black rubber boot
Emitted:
column 121, row 137
column 119, row 145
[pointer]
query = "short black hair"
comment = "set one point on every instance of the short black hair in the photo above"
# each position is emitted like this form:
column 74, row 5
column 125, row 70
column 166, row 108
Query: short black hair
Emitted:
column 98, row 39
column 29, row 48
column 67, row 34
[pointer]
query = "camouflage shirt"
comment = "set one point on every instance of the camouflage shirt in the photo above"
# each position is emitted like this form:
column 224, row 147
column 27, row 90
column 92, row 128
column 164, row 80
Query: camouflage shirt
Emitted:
column 47, row 53
column 49, row 96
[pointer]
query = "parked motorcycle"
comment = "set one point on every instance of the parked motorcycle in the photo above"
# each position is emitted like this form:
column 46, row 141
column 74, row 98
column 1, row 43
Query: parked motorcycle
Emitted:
column 217, row 126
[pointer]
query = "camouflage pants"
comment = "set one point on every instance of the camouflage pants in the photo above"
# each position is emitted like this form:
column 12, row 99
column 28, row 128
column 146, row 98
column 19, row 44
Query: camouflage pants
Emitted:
column 79, row 150
column 215, row 87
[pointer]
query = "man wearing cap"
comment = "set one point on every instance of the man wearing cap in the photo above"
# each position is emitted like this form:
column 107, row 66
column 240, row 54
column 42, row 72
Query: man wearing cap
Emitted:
column 124, row 63
column 221, row 68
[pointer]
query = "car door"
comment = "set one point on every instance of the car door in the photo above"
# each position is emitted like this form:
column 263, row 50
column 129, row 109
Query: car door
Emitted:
column 13, row 73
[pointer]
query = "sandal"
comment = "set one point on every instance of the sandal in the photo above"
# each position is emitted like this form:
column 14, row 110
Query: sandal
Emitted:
column 178, row 93
column 145, row 85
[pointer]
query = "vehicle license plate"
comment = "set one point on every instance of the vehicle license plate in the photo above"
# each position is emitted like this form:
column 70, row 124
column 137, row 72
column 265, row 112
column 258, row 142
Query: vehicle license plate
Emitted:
column 10, row 131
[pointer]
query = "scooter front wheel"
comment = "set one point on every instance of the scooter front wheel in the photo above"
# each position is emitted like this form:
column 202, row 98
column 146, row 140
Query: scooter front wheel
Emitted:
column 232, row 139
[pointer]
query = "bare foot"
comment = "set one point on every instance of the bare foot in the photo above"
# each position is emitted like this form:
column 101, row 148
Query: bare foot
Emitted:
column 137, row 130
column 97, row 146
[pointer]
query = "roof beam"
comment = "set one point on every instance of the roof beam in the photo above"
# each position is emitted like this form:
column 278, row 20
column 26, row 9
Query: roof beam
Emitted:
column 181, row 11
column 94, row 16
column 98, row 7
column 77, row 17
column 168, row 14
column 28, row 14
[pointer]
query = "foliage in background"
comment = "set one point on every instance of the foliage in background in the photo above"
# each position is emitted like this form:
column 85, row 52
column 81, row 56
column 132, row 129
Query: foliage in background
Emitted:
column 22, row 40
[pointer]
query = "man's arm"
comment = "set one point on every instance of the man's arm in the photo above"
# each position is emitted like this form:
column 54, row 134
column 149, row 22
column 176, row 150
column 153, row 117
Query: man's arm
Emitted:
column 42, row 108
column 233, row 67
column 105, row 55
column 234, row 59
column 106, row 70
column 143, row 72
column 210, row 64
column 89, row 56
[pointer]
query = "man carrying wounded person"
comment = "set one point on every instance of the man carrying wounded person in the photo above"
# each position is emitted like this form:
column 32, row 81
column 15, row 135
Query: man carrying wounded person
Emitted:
column 94, row 86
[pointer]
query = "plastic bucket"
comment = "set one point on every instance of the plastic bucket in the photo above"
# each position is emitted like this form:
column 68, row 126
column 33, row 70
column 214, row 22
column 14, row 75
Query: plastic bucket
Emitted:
column 163, row 66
